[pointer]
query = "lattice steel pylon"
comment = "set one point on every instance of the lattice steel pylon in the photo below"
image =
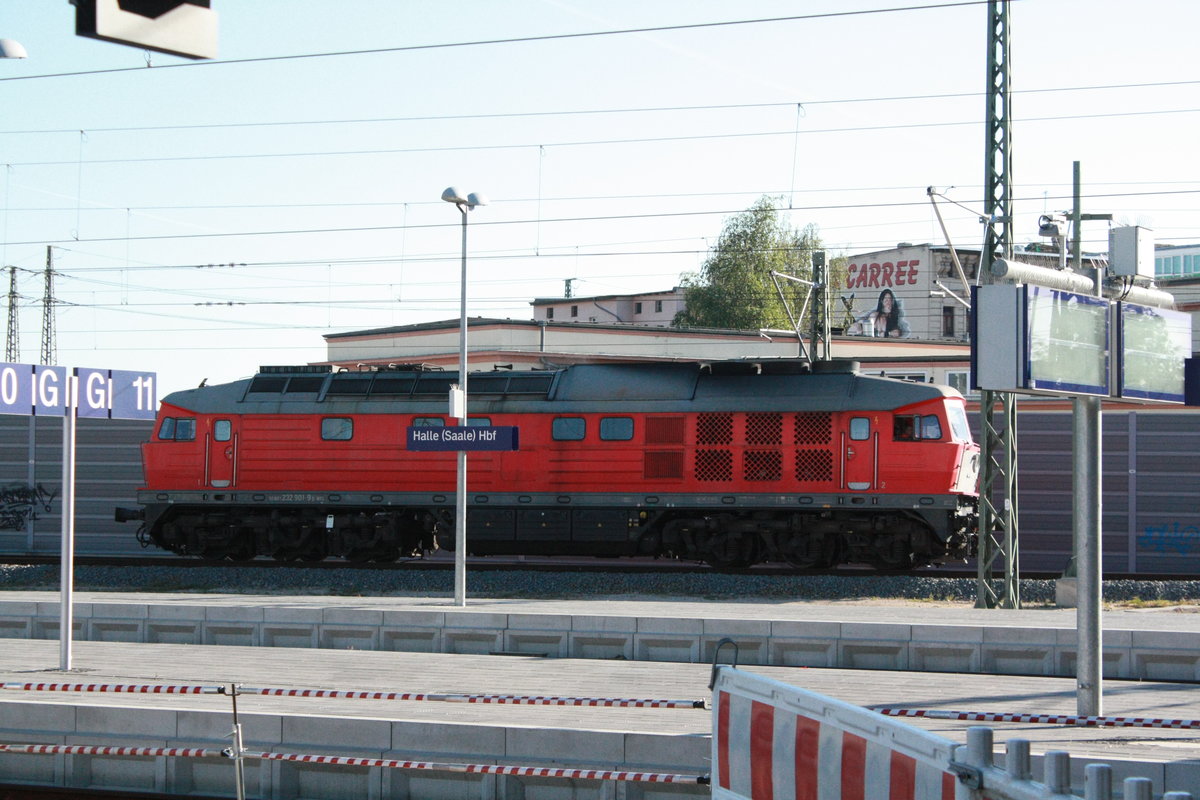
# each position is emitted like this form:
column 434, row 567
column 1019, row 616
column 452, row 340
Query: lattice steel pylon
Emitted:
column 49, row 348
column 998, row 526
column 12, row 344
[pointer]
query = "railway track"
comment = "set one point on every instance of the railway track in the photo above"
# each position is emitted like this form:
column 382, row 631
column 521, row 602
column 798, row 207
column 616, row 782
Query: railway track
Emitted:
column 445, row 562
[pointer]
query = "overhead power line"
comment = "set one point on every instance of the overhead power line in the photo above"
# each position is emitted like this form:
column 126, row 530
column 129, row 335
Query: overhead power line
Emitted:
column 511, row 40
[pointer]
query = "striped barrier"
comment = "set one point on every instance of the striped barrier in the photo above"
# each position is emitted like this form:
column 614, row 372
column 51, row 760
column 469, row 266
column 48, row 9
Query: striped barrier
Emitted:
column 772, row 741
column 1045, row 719
column 355, row 694
column 355, row 761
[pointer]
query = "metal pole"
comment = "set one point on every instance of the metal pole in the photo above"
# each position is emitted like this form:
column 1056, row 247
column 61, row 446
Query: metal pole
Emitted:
column 66, row 621
column 1087, row 518
column 460, row 497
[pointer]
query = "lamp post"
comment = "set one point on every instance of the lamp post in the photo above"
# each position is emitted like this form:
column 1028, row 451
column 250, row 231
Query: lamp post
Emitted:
column 458, row 402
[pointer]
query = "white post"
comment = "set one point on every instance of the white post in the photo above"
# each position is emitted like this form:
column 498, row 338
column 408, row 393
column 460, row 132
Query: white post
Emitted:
column 66, row 619
column 460, row 497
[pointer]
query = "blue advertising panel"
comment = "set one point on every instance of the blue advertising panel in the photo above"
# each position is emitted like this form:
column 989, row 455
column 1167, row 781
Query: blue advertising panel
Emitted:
column 50, row 391
column 28, row 389
column 1155, row 343
column 16, row 389
column 1067, row 344
column 475, row 437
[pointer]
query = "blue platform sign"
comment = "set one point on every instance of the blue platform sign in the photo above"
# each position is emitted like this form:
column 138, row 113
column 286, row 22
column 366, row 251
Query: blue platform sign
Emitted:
column 474, row 437
column 39, row 390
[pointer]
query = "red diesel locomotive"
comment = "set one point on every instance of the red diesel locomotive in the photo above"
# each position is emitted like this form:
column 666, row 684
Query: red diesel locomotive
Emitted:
column 730, row 463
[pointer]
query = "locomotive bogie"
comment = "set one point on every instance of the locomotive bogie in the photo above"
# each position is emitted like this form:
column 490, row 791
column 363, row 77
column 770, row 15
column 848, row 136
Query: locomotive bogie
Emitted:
column 684, row 461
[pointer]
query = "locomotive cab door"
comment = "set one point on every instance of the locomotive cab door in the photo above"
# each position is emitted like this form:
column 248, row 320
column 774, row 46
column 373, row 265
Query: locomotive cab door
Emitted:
column 860, row 454
column 220, row 454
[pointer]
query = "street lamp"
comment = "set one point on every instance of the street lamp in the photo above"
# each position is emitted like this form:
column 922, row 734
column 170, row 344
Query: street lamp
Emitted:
column 458, row 402
column 12, row 49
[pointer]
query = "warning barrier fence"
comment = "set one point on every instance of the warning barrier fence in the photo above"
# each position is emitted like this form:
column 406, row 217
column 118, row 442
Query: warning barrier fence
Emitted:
column 773, row 741
column 354, row 694
column 1046, row 719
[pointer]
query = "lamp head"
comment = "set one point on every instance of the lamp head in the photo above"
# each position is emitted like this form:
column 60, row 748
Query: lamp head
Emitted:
column 452, row 195
column 12, row 49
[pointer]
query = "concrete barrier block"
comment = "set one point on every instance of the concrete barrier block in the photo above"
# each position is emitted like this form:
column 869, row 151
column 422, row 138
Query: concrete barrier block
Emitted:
column 48, row 628
column 659, row 753
column 115, row 773
column 294, row 615
column 539, row 622
column 538, row 746
column 750, row 649
column 296, row 779
column 93, row 722
column 211, row 728
column 876, row 632
column 282, row 634
column 115, row 630
column 670, row 625
column 410, row 640
column 944, row 657
column 400, row 784
column 228, row 633
column 234, row 614
column 873, row 654
column 413, row 619
column 465, row 641
column 211, row 777
column 1017, row 660
column 338, row 637
column 1182, row 776
column 16, row 628
column 337, row 735
column 804, row 652
column 472, row 620
column 604, row 624
column 1163, row 665
column 438, row 741
column 19, row 720
column 601, row 645
column 552, row 644
column 665, row 647
column 117, row 611
column 352, row 617
column 21, row 768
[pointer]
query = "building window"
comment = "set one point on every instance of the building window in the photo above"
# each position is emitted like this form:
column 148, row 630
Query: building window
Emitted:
column 574, row 311
column 948, row 322
column 637, row 308
column 658, row 306
column 550, row 313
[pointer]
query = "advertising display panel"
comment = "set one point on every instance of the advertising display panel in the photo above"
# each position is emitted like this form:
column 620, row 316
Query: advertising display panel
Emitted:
column 1154, row 344
column 1067, row 341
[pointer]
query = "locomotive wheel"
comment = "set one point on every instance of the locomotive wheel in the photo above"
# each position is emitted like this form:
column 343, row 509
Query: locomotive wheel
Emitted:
column 729, row 551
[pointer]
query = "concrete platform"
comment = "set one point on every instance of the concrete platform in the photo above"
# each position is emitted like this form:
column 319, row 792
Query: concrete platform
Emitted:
column 629, row 648
column 1159, row 644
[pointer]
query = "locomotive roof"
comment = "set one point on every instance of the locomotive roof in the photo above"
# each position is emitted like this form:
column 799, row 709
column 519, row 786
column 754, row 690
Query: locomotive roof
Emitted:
column 782, row 385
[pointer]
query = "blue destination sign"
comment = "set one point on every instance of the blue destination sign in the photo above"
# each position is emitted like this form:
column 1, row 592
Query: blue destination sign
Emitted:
column 474, row 437
column 29, row 389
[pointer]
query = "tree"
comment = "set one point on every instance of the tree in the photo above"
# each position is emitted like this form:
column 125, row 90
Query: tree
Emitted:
column 734, row 290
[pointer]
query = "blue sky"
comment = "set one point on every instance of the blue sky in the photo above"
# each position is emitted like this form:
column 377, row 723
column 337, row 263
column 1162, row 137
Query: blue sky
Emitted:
column 314, row 183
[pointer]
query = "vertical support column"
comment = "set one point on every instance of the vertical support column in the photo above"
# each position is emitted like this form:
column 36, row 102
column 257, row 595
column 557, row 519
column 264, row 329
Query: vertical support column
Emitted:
column 66, row 619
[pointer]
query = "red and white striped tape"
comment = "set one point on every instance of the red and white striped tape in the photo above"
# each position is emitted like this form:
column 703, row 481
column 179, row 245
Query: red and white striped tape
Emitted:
column 502, row 699
column 352, row 761
column 1046, row 719
column 112, row 687
column 488, row 769
column 354, row 694
column 100, row 750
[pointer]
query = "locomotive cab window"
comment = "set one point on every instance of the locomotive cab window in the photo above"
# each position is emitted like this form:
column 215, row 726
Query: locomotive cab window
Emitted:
column 568, row 429
column 222, row 430
column 911, row 427
column 337, row 429
column 616, row 429
column 960, row 430
column 860, row 429
column 179, row 429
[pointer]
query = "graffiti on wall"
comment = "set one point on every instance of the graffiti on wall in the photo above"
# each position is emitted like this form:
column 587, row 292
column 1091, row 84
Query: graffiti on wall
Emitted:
column 19, row 504
column 1170, row 539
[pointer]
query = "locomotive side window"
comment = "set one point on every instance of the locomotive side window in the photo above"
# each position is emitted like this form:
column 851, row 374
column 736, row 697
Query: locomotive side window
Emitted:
column 337, row 429
column 911, row 427
column 179, row 429
column 616, row 429
column 428, row 422
column 480, row 422
column 568, row 429
column 860, row 429
column 222, row 430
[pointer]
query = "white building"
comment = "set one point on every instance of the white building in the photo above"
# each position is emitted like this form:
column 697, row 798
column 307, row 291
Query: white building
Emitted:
column 651, row 308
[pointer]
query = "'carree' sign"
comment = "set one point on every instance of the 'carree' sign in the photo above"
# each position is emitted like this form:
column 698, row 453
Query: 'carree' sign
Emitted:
column 29, row 389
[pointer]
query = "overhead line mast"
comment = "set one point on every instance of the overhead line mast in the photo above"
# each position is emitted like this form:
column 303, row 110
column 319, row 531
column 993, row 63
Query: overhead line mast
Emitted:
column 997, row 526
